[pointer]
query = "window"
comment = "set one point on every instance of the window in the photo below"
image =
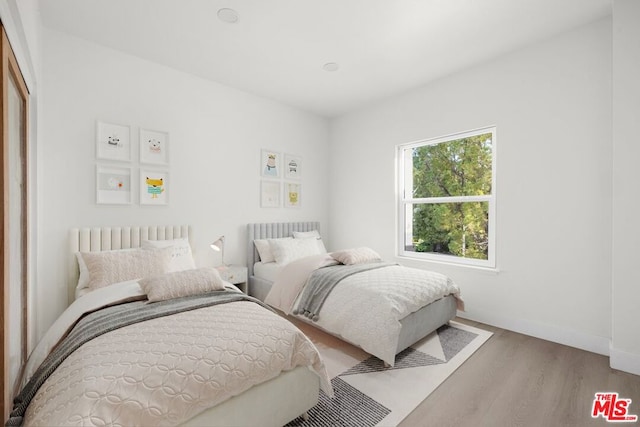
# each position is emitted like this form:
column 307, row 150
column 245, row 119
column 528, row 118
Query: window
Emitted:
column 446, row 203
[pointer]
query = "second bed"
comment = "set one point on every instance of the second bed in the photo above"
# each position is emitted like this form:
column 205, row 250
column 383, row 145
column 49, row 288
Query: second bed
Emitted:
column 355, row 321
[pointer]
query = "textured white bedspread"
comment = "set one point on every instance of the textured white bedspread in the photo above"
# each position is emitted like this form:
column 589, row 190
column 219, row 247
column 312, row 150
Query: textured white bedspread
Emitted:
column 365, row 308
column 164, row 371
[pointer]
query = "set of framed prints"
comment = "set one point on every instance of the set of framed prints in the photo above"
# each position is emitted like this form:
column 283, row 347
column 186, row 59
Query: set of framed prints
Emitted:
column 280, row 184
column 114, row 166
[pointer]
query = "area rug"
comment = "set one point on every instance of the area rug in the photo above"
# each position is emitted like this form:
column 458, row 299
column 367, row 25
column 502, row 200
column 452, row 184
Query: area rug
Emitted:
column 368, row 394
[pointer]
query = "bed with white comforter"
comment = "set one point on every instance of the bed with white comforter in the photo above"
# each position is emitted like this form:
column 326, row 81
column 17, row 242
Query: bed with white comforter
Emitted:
column 383, row 309
column 161, row 371
column 366, row 308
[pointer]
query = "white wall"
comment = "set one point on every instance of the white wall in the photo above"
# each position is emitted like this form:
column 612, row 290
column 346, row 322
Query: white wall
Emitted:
column 625, row 342
column 216, row 134
column 552, row 108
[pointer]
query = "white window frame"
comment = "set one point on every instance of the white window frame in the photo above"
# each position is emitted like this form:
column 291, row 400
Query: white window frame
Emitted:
column 405, row 181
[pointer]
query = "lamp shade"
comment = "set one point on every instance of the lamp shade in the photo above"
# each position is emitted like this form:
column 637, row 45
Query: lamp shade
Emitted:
column 218, row 246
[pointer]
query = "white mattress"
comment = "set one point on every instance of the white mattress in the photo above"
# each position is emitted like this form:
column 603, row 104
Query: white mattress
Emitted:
column 267, row 271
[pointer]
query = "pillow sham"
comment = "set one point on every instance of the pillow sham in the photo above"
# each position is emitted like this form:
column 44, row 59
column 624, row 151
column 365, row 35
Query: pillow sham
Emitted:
column 313, row 234
column 285, row 251
column 306, row 234
column 182, row 284
column 106, row 268
column 181, row 256
column 264, row 249
column 83, row 279
column 356, row 256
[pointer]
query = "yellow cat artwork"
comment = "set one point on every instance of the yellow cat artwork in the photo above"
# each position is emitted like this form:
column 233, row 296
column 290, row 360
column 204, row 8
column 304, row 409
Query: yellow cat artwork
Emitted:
column 154, row 187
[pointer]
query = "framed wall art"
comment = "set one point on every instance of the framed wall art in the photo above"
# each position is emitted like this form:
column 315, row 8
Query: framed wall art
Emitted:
column 154, row 147
column 270, row 194
column 270, row 164
column 292, row 166
column 113, row 185
column 113, row 142
column 292, row 194
column 154, row 187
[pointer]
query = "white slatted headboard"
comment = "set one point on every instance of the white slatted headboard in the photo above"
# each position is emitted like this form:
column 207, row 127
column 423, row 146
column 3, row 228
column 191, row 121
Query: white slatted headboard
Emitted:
column 99, row 239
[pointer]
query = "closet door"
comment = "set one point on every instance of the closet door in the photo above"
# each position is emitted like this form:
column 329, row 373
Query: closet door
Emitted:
column 14, row 125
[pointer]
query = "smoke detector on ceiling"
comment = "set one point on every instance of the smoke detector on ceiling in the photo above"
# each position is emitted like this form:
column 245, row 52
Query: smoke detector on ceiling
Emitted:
column 227, row 15
column 331, row 66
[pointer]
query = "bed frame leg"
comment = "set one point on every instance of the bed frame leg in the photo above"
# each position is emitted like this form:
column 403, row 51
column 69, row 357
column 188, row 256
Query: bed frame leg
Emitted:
column 305, row 416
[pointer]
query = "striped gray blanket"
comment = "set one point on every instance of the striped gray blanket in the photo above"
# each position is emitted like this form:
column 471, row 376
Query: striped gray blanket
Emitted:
column 322, row 281
column 108, row 319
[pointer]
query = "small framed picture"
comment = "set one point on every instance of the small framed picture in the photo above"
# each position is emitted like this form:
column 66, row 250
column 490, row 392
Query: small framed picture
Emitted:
column 269, row 194
column 292, row 194
column 113, row 185
column 154, row 187
column 270, row 164
column 154, row 147
column 292, row 166
column 113, row 142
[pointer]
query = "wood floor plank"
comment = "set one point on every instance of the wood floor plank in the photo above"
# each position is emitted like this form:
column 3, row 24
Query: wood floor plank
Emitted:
column 517, row 380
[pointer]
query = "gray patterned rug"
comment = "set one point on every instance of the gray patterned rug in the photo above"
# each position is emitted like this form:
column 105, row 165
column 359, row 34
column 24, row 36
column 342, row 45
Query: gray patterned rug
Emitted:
column 368, row 394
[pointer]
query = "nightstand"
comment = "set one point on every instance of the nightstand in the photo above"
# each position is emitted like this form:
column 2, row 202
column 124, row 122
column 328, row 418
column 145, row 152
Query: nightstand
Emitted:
column 234, row 274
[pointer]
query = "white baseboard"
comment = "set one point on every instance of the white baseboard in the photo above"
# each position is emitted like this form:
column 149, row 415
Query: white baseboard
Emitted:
column 592, row 343
column 623, row 361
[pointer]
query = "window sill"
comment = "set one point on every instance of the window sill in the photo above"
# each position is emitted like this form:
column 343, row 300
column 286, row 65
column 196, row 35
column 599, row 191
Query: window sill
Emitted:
column 421, row 262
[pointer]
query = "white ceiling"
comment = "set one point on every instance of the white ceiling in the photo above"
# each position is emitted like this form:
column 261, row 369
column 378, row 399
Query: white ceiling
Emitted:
column 278, row 47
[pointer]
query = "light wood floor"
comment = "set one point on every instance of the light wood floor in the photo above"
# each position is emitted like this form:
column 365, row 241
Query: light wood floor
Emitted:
column 517, row 380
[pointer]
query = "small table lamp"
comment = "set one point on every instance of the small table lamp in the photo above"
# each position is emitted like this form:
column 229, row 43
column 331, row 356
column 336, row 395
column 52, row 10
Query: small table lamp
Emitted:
column 218, row 246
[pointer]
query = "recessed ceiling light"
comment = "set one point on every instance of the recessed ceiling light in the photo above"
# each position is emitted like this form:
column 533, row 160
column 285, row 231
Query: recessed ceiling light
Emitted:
column 228, row 15
column 331, row 66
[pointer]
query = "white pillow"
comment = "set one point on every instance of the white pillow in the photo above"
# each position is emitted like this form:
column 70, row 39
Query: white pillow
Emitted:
column 264, row 249
column 106, row 268
column 313, row 234
column 306, row 234
column 287, row 250
column 84, row 279
column 181, row 256
column 182, row 283
column 356, row 256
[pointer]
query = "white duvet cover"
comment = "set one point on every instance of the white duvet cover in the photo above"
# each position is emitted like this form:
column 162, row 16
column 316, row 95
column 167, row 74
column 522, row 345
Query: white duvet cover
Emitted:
column 268, row 271
column 164, row 371
column 365, row 308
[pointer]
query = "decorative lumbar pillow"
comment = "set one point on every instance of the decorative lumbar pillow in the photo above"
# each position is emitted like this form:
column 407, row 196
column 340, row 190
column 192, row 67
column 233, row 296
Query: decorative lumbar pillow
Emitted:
column 181, row 256
column 284, row 251
column 106, row 268
column 313, row 234
column 356, row 256
column 182, row 284
column 264, row 248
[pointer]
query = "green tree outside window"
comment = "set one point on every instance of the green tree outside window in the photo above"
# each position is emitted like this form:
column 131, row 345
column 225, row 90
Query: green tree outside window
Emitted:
column 447, row 196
